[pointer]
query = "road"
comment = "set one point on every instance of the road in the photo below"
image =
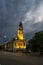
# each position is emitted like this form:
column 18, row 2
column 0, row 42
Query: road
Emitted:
column 7, row 58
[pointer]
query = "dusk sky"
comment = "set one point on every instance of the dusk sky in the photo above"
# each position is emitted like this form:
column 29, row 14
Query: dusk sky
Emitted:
column 30, row 12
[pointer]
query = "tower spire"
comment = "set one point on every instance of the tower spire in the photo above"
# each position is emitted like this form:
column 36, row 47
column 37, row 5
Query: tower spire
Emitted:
column 20, row 41
column 20, row 31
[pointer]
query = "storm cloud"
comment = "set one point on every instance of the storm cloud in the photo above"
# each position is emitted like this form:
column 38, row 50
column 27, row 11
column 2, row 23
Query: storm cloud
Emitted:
column 30, row 12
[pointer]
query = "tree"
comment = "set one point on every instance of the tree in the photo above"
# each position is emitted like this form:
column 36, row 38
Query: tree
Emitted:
column 36, row 43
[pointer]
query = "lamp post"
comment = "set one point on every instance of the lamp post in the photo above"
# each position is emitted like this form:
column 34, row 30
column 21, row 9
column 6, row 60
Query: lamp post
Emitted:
column 5, row 41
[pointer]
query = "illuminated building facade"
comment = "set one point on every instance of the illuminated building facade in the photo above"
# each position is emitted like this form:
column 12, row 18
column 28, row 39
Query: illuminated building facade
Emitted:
column 20, row 42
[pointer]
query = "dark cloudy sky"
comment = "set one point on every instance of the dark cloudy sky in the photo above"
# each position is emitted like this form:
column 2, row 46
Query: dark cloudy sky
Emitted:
column 30, row 12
